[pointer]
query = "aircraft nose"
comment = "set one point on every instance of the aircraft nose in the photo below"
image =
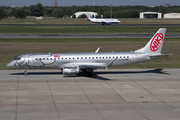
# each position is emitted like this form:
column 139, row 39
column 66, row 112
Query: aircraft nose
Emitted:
column 10, row 64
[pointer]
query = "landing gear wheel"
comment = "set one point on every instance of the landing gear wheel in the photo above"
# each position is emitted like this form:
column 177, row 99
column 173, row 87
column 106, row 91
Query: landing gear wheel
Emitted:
column 89, row 74
column 25, row 72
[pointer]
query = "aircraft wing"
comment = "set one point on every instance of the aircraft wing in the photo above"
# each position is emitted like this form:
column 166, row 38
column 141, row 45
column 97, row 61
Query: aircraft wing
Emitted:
column 85, row 65
column 105, row 22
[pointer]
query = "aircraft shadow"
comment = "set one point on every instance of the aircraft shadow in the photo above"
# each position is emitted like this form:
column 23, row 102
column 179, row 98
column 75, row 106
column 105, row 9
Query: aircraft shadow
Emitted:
column 97, row 73
column 95, row 76
column 157, row 71
column 37, row 73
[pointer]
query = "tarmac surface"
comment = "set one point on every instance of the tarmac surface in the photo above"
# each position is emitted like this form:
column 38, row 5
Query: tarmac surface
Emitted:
column 117, row 94
column 95, row 35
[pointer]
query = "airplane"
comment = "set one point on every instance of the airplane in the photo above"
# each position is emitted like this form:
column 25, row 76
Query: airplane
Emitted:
column 102, row 21
column 73, row 63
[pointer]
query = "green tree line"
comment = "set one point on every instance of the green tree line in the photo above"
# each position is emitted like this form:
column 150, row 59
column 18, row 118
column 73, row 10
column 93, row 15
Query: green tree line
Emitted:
column 67, row 11
column 3, row 13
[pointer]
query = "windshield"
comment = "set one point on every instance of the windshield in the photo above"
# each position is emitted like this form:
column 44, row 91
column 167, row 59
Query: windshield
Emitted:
column 18, row 58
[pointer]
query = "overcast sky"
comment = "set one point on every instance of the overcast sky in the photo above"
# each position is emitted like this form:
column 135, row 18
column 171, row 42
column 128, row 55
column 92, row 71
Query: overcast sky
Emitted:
column 88, row 2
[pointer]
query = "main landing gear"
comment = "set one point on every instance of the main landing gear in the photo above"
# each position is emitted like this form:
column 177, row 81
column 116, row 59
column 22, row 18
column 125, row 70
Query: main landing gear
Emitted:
column 88, row 72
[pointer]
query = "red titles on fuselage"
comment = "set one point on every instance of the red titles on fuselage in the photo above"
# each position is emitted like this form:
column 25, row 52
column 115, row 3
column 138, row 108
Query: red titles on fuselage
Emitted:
column 56, row 56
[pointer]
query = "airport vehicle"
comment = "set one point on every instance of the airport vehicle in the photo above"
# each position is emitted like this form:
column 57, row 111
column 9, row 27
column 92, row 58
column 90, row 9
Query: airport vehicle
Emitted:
column 74, row 63
column 102, row 21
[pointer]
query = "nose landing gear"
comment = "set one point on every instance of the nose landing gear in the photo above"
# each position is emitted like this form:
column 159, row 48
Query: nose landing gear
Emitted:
column 25, row 72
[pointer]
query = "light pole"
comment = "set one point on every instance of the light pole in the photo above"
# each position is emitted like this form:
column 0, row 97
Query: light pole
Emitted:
column 111, row 11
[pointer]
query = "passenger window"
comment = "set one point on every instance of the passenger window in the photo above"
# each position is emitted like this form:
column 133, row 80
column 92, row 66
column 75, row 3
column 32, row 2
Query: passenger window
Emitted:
column 92, row 57
column 89, row 57
column 77, row 57
column 124, row 57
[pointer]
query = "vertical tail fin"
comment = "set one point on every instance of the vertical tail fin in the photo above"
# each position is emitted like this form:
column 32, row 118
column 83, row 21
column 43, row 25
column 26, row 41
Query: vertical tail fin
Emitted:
column 89, row 16
column 156, row 42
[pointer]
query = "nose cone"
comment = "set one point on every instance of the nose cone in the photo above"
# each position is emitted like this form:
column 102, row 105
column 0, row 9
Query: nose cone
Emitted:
column 10, row 64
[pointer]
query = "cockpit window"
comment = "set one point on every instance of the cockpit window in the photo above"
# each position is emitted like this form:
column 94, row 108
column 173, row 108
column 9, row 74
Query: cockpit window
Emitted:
column 18, row 58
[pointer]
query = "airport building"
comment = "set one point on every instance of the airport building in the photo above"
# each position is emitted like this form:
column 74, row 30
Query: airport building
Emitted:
column 77, row 14
column 150, row 15
column 172, row 15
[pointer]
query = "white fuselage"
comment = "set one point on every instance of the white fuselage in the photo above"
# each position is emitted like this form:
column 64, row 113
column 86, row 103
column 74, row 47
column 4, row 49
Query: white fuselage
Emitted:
column 60, row 60
column 107, row 21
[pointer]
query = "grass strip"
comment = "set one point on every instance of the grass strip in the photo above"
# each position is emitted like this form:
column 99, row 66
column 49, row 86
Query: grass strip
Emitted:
column 85, row 29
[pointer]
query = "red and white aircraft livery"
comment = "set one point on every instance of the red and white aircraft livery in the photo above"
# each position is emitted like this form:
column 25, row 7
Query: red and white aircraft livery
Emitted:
column 73, row 63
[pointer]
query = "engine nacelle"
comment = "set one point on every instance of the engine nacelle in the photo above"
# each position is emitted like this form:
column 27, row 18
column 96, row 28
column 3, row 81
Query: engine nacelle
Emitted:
column 70, row 70
column 108, row 23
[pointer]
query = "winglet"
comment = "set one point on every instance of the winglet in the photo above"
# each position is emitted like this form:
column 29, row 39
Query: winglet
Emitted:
column 97, row 50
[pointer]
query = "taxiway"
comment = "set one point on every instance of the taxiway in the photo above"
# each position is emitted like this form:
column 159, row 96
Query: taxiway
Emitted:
column 114, row 25
column 117, row 94
column 95, row 35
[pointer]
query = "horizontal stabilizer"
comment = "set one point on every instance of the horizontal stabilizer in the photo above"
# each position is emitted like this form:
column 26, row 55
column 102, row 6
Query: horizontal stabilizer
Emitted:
column 159, row 56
